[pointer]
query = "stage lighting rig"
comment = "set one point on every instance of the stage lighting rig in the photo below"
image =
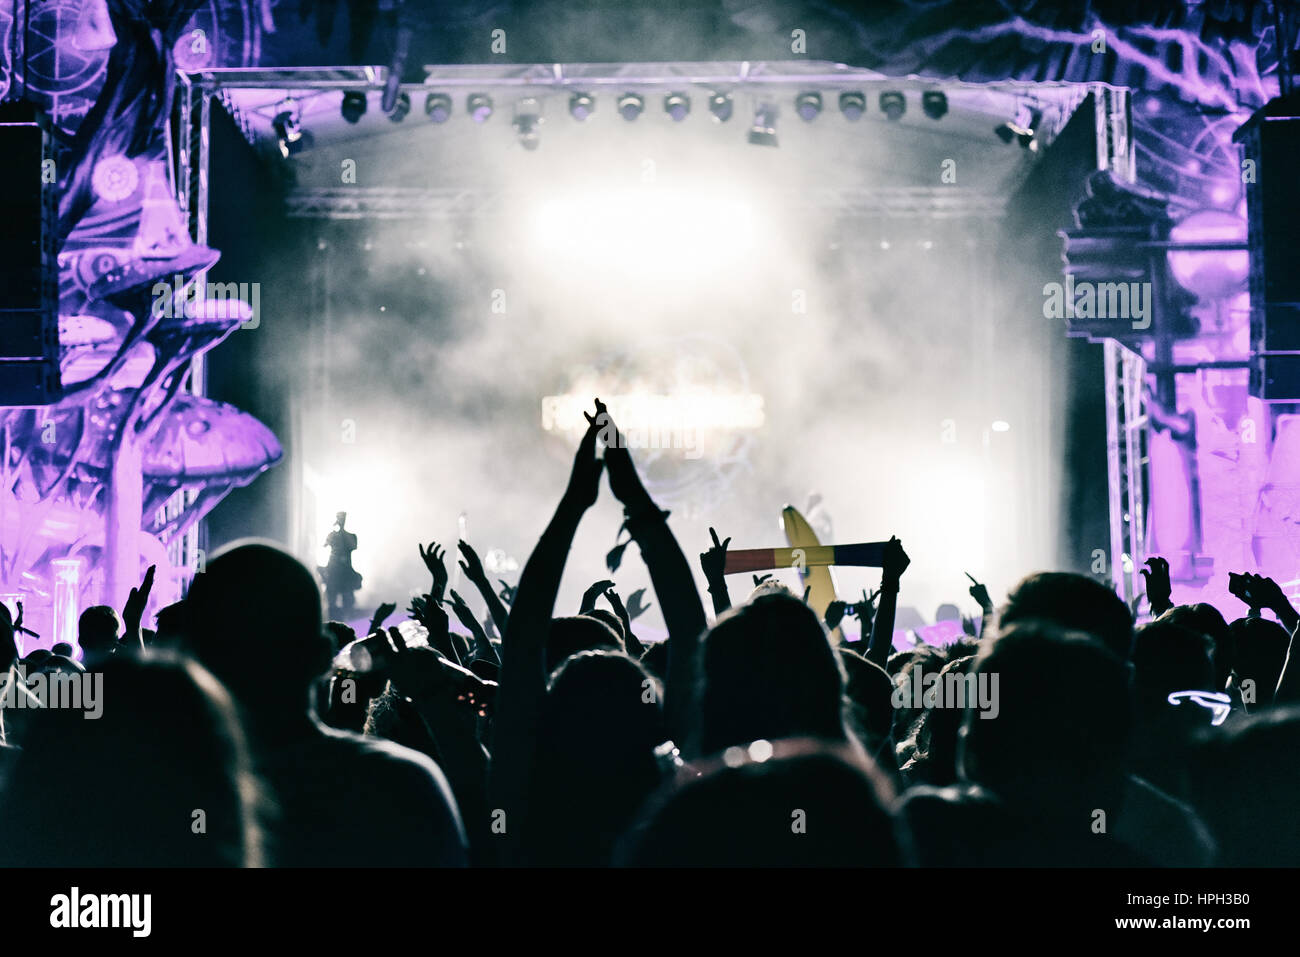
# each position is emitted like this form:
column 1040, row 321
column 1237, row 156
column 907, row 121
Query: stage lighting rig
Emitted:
column 808, row 106
column 479, row 107
column 354, row 106
column 630, row 106
column 581, row 106
column 853, row 104
column 401, row 107
column 437, row 107
column 677, row 106
column 763, row 132
column 934, row 103
column 288, row 128
column 527, row 122
column 893, row 104
column 720, row 106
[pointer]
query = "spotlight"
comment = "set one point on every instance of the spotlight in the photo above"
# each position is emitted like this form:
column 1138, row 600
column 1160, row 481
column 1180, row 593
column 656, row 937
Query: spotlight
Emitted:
column 893, row 104
column 1026, row 134
column 437, row 107
column 401, row 107
column 288, row 129
column 763, row 132
column 808, row 106
column 677, row 105
column 630, row 106
column 720, row 106
column 528, row 118
column 479, row 106
column 354, row 106
column 853, row 105
column 581, row 106
column 934, row 104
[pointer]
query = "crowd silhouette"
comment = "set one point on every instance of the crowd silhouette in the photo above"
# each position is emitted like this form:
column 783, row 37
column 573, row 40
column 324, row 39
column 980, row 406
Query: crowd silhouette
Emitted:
column 244, row 730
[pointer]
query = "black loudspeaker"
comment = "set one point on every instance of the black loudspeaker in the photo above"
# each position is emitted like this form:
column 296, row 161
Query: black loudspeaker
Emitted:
column 1271, row 143
column 29, row 274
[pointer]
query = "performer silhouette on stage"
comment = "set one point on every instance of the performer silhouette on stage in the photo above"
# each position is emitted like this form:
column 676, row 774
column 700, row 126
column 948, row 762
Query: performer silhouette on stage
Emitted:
column 340, row 578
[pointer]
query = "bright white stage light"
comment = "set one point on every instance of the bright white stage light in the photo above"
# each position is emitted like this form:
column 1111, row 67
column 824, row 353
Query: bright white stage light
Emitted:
column 641, row 231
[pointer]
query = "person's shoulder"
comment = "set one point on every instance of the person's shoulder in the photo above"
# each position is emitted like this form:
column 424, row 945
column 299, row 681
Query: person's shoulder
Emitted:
column 412, row 786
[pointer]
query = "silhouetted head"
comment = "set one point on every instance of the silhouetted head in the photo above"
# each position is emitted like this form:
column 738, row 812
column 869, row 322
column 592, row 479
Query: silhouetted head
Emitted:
column 937, row 739
column 1166, row 658
column 340, row 519
column 1057, row 744
column 98, row 631
column 61, row 648
column 126, row 788
column 768, row 670
column 172, row 625
column 1244, row 779
column 570, row 635
column 773, row 804
column 870, row 693
column 1261, row 653
column 610, row 619
column 1074, row 602
column 255, row 618
column 1207, row 620
column 601, row 721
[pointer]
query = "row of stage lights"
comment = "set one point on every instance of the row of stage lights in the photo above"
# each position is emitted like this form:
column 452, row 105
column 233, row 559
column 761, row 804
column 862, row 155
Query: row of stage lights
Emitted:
column 438, row 107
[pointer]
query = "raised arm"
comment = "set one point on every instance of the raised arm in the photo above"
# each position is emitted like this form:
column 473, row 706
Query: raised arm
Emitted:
column 669, row 572
column 473, row 569
column 523, row 664
column 882, row 628
column 713, row 562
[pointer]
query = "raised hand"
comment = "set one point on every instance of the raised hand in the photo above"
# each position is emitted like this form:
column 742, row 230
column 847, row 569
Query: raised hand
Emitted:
column 507, row 592
column 624, row 481
column 715, row 559
column 1159, row 588
column 896, row 561
column 835, row 614
column 136, row 601
column 980, row 594
column 470, row 564
column 584, row 480
column 630, row 641
column 592, row 593
column 1259, row 591
column 380, row 616
column 759, row 579
column 462, row 611
column 433, row 560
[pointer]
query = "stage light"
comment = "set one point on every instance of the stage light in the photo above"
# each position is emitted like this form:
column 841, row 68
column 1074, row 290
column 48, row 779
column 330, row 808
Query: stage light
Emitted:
column 1001, row 425
column 893, row 104
column 630, row 106
column 808, row 106
column 401, row 107
column 288, row 129
column 853, row 105
column 720, row 106
column 479, row 106
column 934, row 104
column 581, row 106
column 677, row 106
column 1024, row 129
column 354, row 106
column 437, row 107
column 528, row 119
column 763, row 132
